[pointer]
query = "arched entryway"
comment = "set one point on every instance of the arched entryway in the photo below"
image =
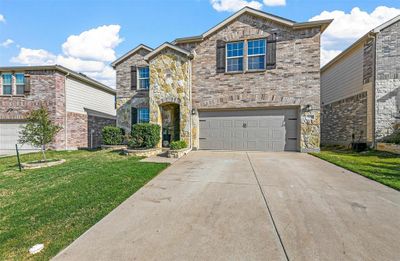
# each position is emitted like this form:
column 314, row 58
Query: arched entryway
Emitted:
column 170, row 121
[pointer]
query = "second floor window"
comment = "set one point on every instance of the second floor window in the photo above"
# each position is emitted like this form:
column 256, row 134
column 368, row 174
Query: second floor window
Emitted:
column 256, row 54
column 234, row 57
column 20, row 83
column 143, row 79
column 143, row 115
column 7, row 83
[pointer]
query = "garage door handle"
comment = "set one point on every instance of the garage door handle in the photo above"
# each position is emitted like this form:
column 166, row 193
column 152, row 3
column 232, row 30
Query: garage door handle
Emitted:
column 244, row 125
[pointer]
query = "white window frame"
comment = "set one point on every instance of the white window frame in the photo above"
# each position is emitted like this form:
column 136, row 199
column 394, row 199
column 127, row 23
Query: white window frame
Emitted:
column 138, row 78
column 138, row 114
column 233, row 57
column 2, row 84
column 255, row 55
column 16, row 84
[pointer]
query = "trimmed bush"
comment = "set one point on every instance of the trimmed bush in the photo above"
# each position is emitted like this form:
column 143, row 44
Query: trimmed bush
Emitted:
column 112, row 135
column 177, row 145
column 144, row 135
column 393, row 138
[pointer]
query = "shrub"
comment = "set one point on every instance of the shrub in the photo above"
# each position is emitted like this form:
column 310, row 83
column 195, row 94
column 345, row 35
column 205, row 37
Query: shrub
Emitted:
column 144, row 135
column 177, row 145
column 393, row 138
column 112, row 135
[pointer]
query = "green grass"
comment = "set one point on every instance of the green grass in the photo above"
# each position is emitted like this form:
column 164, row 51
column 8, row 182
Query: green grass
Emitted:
column 380, row 166
column 55, row 205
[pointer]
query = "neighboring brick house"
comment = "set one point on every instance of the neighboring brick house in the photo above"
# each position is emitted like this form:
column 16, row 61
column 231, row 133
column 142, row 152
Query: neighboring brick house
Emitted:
column 360, row 89
column 251, row 82
column 81, row 105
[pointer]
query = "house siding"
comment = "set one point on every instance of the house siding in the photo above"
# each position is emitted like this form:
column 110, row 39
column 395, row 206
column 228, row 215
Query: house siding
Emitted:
column 387, row 85
column 342, row 83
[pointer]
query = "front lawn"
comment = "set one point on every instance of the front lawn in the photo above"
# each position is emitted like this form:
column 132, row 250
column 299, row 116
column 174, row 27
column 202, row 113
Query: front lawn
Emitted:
column 55, row 205
column 380, row 166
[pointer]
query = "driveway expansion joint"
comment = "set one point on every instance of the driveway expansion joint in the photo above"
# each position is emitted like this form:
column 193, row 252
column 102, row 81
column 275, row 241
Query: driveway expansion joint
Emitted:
column 268, row 208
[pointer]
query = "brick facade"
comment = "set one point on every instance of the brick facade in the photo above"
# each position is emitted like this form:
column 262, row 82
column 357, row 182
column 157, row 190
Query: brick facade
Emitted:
column 387, row 85
column 341, row 119
column 47, row 88
column 95, row 126
column 127, row 98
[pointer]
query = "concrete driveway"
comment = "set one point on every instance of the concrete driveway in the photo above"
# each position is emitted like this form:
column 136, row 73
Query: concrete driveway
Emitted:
column 249, row 206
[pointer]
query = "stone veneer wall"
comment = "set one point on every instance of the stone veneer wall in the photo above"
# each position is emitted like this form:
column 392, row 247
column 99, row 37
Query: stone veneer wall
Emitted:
column 387, row 85
column 127, row 98
column 295, row 81
column 343, row 118
column 47, row 88
column 169, row 83
column 77, row 130
column 95, row 126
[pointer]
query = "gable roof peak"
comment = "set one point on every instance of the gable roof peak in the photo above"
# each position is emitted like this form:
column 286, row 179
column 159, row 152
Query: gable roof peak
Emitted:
column 131, row 52
column 323, row 24
column 167, row 45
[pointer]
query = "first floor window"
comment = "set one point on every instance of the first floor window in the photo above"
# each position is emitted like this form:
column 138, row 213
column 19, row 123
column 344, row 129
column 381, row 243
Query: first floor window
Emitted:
column 143, row 115
column 7, row 83
column 144, row 78
column 234, row 57
column 20, row 83
column 256, row 54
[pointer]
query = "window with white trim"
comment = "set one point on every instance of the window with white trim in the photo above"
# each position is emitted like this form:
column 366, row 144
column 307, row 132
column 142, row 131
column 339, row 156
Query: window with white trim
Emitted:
column 7, row 83
column 256, row 50
column 143, row 78
column 234, row 57
column 143, row 115
column 20, row 83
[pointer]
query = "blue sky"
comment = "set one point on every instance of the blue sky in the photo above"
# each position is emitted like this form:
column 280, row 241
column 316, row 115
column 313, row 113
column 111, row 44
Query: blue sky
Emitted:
column 44, row 31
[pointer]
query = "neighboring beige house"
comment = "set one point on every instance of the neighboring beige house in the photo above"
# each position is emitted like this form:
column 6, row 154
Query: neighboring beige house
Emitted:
column 360, row 89
column 81, row 105
column 252, row 82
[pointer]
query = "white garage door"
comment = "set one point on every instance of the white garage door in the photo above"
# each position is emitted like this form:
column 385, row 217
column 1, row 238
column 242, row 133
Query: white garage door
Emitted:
column 9, row 135
column 252, row 130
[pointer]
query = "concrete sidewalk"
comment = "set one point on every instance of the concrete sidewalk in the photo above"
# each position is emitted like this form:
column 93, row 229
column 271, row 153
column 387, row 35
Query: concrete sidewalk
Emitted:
column 249, row 206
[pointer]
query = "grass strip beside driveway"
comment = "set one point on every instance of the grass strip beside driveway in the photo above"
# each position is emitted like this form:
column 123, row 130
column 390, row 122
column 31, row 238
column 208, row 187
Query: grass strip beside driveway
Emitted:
column 380, row 166
column 55, row 205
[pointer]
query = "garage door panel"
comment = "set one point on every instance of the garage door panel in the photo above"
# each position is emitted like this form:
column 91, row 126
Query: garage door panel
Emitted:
column 9, row 136
column 262, row 130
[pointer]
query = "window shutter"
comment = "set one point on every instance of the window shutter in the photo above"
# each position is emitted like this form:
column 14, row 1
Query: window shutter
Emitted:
column 271, row 51
column 133, row 78
column 220, row 56
column 27, row 88
column 133, row 115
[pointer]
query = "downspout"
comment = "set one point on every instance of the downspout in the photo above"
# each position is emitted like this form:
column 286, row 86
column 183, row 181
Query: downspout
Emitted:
column 191, row 103
column 66, row 113
column 373, row 36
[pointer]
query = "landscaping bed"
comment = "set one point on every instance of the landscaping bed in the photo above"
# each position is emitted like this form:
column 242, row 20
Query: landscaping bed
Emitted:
column 55, row 205
column 380, row 166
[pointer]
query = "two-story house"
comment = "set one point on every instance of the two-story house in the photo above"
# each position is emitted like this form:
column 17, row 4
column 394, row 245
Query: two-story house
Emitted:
column 360, row 89
column 79, row 104
column 252, row 82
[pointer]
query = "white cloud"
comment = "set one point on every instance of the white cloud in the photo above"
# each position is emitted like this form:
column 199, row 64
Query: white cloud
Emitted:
column 95, row 44
column 28, row 56
column 2, row 18
column 275, row 2
column 327, row 55
column 89, row 53
column 7, row 43
column 346, row 28
column 233, row 5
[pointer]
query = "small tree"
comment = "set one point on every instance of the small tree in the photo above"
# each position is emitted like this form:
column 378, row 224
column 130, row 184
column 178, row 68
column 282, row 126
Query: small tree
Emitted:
column 39, row 131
